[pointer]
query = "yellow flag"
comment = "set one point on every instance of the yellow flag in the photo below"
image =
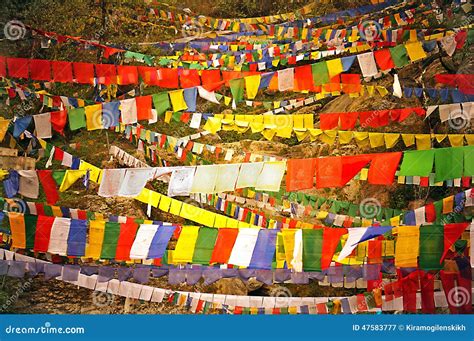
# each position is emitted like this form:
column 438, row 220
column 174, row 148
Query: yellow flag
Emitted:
column 456, row 140
column 251, row 85
column 391, row 139
column 361, row 138
column 469, row 139
column 3, row 128
column 382, row 90
column 423, row 141
column 334, row 67
column 298, row 122
column 177, row 100
column 388, row 248
column 415, row 51
column 440, row 137
column 94, row 173
column 408, row 139
column 94, row 117
column 269, row 133
column 376, row 140
column 57, row 211
column 175, row 207
column 96, row 238
column 207, row 218
column 448, row 204
column 184, row 250
column 233, row 223
column 345, row 137
column 288, row 244
column 301, row 135
column 70, row 178
column 408, row 244
column 395, row 221
column 213, row 125
column 328, row 136
column 17, row 228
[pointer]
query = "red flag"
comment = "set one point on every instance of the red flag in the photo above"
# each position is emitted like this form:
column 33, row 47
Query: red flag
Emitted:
column 331, row 237
column 58, row 120
column 40, row 69
column 62, row 71
column 17, row 67
column 329, row 121
column 3, row 66
column 125, row 241
column 224, row 243
column 83, row 72
column 49, row 186
column 427, row 293
column 302, row 80
column 410, row 286
column 384, row 59
column 300, row 174
column 211, row 80
column 383, row 167
column 149, row 75
column 127, row 74
column 43, row 233
column 452, row 232
column 189, row 78
column 348, row 120
column 430, row 212
column 143, row 104
column 106, row 73
column 352, row 165
column 168, row 78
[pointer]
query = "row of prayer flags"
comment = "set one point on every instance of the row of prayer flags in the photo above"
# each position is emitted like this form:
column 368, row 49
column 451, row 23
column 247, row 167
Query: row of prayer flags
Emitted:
column 424, row 247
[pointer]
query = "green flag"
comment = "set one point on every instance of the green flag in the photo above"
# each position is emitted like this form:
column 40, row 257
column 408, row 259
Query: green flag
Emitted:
column 111, row 235
column 237, row 89
column 204, row 245
column 48, row 211
column 320, row 73
column 431, row 247
column 58, row 176
column 30, row 229
column 312, row 248
column 399, row 55
column 161, row 102
column 468, row 164
column 417, row 163
column 77, row 118
column 449, row 163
